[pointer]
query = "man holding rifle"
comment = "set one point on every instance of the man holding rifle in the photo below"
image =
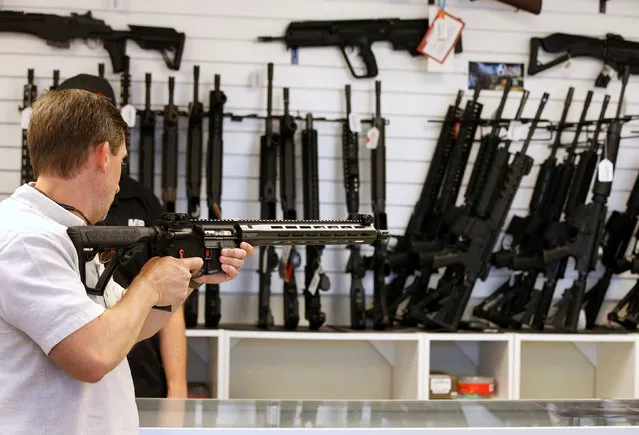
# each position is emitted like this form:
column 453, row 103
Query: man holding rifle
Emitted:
column 63, row 351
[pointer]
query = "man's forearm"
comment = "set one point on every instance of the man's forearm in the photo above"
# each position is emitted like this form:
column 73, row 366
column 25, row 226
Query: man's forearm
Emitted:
column 99, row 346
column 173, row 349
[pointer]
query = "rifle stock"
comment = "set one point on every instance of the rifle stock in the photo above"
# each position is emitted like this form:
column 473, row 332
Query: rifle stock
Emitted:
column 532, row 6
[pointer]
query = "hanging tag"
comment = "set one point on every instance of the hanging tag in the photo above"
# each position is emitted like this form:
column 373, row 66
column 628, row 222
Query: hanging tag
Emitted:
column 283, row 269
column 25, row 117
column 605, row 171
column 372, row 137
column 513, row 131
column 312, row 286
column 128, row 114
column 441, row 37
column 255, row 79
column 354, row 123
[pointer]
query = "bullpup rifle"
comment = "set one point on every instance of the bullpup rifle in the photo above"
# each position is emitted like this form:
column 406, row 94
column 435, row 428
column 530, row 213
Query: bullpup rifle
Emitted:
column 403, row 35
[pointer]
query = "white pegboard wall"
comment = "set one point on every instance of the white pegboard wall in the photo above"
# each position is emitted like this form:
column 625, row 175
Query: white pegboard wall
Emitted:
column 221, row 39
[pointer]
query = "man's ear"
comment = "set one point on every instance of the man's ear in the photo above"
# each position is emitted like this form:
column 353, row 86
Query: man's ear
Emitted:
column 101, row 156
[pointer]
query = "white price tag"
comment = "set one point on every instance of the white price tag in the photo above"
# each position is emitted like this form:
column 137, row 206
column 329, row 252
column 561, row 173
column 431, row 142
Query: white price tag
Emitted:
column 441, row 37
column 354, row 123
column 128, row 114
column 25, row 117
column 312, row 286
column 517, row 131
column 286, row 253
column 605, row 171
column 372, row 137
column 255, row 79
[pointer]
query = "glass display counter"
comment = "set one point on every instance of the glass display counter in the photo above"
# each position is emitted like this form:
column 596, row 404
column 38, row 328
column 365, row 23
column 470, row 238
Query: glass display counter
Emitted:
column 204, row 416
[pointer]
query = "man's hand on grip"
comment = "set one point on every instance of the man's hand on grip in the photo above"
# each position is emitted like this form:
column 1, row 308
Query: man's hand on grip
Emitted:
column 170, row 277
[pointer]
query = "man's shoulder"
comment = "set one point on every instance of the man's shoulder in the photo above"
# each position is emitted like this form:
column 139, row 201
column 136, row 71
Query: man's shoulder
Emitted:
column 17, row 220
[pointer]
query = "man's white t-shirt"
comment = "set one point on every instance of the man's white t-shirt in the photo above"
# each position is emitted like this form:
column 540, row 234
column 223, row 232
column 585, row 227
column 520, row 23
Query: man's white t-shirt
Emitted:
column 42, row 301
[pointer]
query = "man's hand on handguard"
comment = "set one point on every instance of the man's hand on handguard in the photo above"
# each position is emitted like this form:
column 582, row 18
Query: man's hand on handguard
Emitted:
column 232, row 260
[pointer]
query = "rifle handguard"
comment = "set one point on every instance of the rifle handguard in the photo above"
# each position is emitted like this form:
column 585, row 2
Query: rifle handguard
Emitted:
column 556, row 254
column 503, row 258
column 524, row 263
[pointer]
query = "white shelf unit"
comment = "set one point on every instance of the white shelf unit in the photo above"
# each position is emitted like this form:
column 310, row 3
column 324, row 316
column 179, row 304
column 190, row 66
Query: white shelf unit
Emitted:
column 370, row 365
column 473, row 355
column 576, row 366
column 206, row 358
column 322, row 365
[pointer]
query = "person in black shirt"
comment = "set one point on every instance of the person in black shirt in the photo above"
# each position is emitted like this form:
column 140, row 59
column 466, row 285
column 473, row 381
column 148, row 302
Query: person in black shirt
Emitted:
column 158, row 364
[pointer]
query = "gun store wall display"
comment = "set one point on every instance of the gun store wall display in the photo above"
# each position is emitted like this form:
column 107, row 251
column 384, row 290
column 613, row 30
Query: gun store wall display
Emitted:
column 494, row 75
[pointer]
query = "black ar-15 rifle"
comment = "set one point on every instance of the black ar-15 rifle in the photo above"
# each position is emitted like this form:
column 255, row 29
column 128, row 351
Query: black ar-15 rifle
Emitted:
column 379, row 260
column 355, row 265
column 510, row 299
column 422, row 213
column 361, row 34
column 177, row 235
column 613, row 50
column 125, row 96
column 214, row 165
column 170, row 139
column 194, row 149
column 267, row 261
column 585, row 231
column 146, row 158
column 290, row 259
column 314, row 277
column 194, row 179
column 618, row 233
column 29, row 95
column 469, row 259
column 59, row 31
